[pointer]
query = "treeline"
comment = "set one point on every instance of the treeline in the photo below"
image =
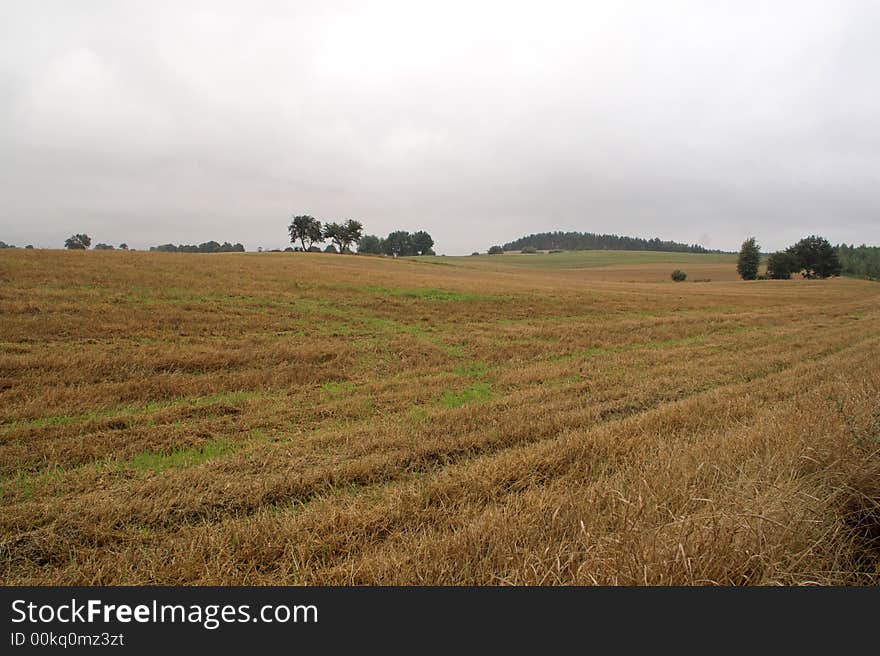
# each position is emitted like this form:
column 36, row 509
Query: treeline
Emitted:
column 587, row 241
column 82, row 242
column 206, row 247
column 859, row 261
column 3, row 245
column 399, row 243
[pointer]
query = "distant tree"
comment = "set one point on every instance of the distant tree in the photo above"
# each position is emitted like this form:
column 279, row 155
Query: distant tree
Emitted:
column 330, row 249
column 398, row 243
column 103, row 247
column 370, row 245
column 335, row 232
column 343, row 234
column 815, row 257
column 749, row 259
column 123, row 246
column 3, row 244
column 781, row 265
column 475, row 253
column 422, row 243
column 529, row 250
column 496, row 250
column 78, row 242
column 352, row 232
column 306, row 230
column 29, row 247
column 679, row 276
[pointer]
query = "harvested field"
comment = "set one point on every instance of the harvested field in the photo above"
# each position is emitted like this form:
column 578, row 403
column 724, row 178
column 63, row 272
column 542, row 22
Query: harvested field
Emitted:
column 284, row 418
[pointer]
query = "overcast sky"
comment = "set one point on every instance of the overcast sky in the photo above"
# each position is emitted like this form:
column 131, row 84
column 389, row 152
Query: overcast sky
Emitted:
column 153, row 122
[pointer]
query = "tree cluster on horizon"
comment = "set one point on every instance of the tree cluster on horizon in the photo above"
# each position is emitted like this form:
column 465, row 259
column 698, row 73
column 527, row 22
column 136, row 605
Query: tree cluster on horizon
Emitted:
column 812, row 257
column 308, row 231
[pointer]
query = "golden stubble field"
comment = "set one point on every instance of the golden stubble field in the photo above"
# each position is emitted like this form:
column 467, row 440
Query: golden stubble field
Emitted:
column 320, row 419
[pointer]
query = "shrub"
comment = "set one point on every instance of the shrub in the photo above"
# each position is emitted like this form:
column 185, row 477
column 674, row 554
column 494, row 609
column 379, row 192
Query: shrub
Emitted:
column 679, row 276
column 474, row 253
column 529, row 250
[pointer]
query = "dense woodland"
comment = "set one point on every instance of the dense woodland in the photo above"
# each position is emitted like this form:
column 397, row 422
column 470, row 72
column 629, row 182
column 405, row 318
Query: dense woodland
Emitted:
column 860, row 261
column 586, row 241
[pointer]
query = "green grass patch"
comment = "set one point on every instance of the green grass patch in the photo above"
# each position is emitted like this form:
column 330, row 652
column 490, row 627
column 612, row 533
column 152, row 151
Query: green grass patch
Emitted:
column 472, row 369
column 429, row 294
column 26, row 482
column 335, row 389
column 181, row 457
column 476, row 392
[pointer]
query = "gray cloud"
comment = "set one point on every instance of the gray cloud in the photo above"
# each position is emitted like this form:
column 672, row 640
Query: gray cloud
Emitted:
column 695, row 121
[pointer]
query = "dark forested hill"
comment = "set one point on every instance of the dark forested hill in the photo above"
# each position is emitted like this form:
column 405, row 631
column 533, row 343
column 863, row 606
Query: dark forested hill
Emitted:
column 583, row 241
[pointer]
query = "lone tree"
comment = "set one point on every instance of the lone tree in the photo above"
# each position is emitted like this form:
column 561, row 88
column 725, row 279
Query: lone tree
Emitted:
column 398, row 243
column 749, row 259
column 343, row 234
column 353, row 232
column 78, row 242
column 370, row 245
column 422, row 243
column 496, row 250
column 306, row 230
column 815, row 257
